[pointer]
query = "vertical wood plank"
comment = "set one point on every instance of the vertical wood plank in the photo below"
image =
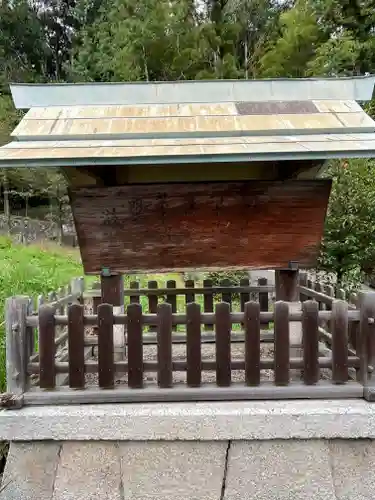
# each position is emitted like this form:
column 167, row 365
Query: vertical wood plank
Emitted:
column 113, row 293
column 223, row 353
column 61, row 294
column 281, row 343
column 193, row 345
column 252, row 343
column 105, row 346
column 17, row 344
column 226, row 296
column 134, row 299
column 40, row 301
column 76, row 346
column 339, row 329
column 366, row 312
column 152, row 299
column 303, row 282
column 366, row 342
column 310, row 342
column 286, row 285
column 172, row 298
column 47, row 350
column 30, row 332
column 112, row 289
column 244, row 296
column 135, row 346
column 341, row 294
column 208, row 301
column 164, row 340
column 263, row 299
column 96, row 301
column 189, row 297
column 319, row 288
column 152, row 302
column 263, row 296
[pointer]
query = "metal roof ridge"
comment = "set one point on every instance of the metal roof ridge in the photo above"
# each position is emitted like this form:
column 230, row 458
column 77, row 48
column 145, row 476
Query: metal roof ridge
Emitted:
column 26, row 96
column 207, row 81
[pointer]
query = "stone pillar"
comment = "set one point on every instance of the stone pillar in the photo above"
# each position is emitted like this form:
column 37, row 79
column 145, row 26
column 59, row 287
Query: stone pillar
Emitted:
column 113, row 293
column 286, row 284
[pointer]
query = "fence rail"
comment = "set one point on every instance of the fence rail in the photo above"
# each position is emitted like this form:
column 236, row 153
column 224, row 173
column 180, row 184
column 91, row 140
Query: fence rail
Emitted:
column 221, row 331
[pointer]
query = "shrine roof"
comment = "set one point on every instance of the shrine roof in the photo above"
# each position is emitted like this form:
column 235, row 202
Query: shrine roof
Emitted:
column 198, row 121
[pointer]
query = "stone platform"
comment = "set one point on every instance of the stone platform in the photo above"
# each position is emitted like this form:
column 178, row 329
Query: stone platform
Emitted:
column 221, row 470
column 284, row 450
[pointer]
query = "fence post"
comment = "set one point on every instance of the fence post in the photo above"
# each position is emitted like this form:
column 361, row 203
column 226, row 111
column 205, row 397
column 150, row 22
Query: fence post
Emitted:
column 263, row 296
column 208, row 301
column 77, row 285
column 303, row 282
column 113, row 293
column 17, row 344
column 366, row 342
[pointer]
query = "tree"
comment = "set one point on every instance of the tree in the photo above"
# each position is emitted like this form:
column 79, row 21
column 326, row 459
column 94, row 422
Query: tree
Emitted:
column 22, row 44
column 348, row 244
column 299, row 40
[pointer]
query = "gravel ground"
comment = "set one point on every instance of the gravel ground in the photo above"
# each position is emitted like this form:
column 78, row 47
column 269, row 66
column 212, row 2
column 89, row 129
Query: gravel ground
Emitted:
column 208, row 353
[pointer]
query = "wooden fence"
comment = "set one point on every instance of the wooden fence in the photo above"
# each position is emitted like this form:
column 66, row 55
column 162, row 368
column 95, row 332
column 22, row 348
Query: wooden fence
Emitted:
column 220, row 316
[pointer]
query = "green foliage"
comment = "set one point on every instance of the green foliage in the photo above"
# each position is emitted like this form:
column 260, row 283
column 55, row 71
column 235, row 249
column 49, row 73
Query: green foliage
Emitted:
column 233, row 277
column 297, row 44
column 31, row 271
column 349, row 239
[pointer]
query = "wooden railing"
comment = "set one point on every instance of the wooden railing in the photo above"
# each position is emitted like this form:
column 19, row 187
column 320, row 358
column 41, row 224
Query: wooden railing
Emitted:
column 232, row 347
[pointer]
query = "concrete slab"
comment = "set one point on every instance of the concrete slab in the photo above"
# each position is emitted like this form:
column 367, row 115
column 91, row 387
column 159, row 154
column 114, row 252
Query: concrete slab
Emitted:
column 210, row 421
column 87, row 471
column 172, row 471
column 282, row 470
column 353, row 466
column 30, row 471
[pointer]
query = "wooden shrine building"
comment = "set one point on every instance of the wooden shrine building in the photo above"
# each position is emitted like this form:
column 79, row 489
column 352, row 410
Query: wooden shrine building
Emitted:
column 195, row 174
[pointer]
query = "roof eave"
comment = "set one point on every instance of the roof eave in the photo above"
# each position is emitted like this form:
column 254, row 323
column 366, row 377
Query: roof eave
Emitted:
column 178, row 159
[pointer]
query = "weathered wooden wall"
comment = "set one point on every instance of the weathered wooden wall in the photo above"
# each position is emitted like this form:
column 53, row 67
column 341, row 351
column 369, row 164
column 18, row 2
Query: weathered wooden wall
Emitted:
column 161, row 227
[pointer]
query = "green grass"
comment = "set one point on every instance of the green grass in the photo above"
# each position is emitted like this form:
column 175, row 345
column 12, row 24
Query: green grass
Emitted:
column 32, row 270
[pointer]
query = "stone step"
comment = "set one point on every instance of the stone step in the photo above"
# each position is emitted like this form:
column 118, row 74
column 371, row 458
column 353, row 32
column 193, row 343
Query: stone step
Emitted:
column 195, row 470
column 282, row 470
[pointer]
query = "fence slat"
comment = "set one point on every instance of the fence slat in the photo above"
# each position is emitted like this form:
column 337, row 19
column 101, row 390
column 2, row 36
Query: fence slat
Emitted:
column 135, row 346
column 208, row 302
column 76, row 346
column 189, row 297
column 172, row 298
column 244, row 296
column 281, row 343
column 134, row 299
column 47, row 375
column 263, row 296
column 17, row 344
column 226, row 296
column 303, row 282
column 223, row 355
column 152, row 299
column 339, row 330
column 105, row 346
column 30, row 332
column 252, row 343
column 310, row 342
column 193, row 345
column 164, row 339
column 61, row 294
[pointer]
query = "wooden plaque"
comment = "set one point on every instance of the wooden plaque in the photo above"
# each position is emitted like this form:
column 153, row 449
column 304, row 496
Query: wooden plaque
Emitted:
column 205, row 225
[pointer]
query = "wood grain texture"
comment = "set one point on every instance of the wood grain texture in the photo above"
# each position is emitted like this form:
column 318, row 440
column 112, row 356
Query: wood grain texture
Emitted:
column 212, row 225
